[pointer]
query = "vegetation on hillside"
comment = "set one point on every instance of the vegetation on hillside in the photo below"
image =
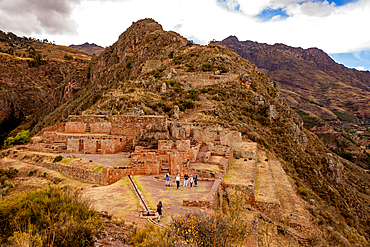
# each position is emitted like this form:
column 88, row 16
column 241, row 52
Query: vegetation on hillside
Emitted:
column 21, row 138
column 49, row 217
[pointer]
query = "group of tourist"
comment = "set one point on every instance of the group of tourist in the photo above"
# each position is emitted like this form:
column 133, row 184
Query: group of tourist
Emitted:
column 188, row 180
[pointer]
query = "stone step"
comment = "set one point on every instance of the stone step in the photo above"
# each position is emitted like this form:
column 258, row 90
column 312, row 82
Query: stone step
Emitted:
column 266, row 196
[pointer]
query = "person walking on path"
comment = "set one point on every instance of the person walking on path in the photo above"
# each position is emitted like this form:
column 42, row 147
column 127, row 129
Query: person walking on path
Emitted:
column 191, row 179
column 186, row 179
column 177, row 180
column 195, row 177
column 159, row 210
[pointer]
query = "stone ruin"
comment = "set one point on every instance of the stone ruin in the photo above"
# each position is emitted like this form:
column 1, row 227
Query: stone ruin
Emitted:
column 155, row 144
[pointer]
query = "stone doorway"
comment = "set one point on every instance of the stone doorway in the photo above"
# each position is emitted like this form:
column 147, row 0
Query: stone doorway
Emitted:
column 98, row 147
column 80, row 145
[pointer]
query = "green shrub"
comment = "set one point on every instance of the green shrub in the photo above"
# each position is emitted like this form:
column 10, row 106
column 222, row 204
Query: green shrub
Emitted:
column 56, row 216
column 10, row 173
column 30, row 173
column 21, row 138
column 207, row 67
column 343, row 116
column 304, row 192
column 9, row 184
column 58, row 158
column 66, row 57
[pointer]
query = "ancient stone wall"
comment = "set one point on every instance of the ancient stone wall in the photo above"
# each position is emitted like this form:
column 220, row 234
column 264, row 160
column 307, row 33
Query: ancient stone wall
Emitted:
column 101, row 128
column 158, row 123
column 75, row 127
column 205, row 79
column 176, row 160
column 183, row 145
column 144, row 161
column 73, row 146
column 165, row 145
column 232, row 139
column 204, row 135
column 55, row 128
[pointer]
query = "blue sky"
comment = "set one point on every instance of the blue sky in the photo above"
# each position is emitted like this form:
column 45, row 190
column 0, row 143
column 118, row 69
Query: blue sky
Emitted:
column 337, row 27
column 359, row 60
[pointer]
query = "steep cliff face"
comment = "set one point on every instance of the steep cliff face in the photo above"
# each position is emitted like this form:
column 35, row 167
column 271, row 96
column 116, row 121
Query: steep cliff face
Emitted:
column 35, row 78
column 161, row 72
column 332, row 99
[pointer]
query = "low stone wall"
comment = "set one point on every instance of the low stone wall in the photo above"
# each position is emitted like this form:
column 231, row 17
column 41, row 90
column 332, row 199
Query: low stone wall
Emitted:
column 245, row 154
column 107, row 176
column 211, row 200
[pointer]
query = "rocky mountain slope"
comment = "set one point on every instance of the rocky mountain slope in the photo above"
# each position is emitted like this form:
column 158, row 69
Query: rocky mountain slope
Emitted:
column 90, row 49
column 155, row 71
column 331, row 99
column 35, row 78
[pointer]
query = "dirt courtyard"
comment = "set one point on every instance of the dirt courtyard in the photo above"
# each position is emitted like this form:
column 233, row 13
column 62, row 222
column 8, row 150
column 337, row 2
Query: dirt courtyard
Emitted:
column 154, row 190
column 117, row 199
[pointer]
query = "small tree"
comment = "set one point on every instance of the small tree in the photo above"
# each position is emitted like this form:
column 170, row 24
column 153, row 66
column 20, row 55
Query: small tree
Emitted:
column 21, row 138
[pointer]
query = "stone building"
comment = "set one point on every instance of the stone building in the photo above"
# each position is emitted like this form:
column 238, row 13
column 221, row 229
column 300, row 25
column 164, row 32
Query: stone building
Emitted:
column 154, row 143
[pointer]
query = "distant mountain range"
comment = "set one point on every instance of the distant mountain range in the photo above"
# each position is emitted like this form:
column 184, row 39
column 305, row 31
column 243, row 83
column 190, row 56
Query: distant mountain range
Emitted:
column 90, row 49
column 332, row 100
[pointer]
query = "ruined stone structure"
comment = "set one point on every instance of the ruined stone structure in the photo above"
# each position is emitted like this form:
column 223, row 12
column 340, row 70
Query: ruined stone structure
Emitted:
column 155, row 144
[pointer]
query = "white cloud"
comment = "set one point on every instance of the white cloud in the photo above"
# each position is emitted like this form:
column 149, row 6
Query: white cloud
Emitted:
column 333, row 29
column 361, row 68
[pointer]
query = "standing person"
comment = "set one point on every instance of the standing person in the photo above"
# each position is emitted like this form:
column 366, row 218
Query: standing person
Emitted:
column 191, row 179
column 177, row 180
column 186, row 179
column 195, row 177
column 167, row 179
column 159, row 210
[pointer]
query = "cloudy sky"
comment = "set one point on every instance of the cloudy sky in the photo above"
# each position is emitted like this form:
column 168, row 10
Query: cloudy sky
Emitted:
column 336, row 26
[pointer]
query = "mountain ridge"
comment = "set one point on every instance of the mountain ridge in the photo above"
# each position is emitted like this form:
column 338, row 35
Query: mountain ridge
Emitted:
column 323, row 92
column 90, row 49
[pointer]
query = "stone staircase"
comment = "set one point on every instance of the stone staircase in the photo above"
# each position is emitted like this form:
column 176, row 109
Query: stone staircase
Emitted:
column 165, row 168
column 201, row 154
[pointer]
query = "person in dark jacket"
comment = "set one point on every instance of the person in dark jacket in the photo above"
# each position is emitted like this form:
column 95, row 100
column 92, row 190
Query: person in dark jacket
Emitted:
column 159, row 210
